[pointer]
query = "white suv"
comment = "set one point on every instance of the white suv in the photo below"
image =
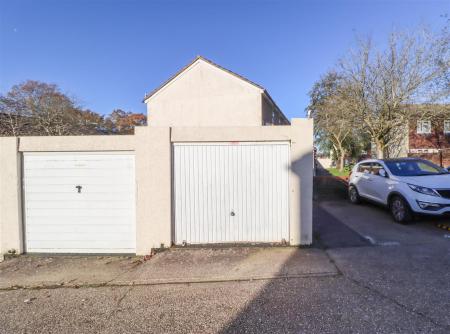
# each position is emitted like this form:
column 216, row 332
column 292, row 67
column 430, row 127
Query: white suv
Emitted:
column 406, row 186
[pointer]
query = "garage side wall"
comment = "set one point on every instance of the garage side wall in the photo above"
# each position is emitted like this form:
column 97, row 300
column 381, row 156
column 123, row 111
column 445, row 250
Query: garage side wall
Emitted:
column 301, row 179
column 153, row 173
column 10, row 196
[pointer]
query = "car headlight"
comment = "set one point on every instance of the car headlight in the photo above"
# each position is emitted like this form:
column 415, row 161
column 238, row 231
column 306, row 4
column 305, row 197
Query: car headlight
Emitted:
column 423, row 190
column 429, row 206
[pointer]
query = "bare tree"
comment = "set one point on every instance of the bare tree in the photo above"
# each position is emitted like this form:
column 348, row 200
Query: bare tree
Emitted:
column 37, row 108
column 14, row 117
column 53, row 112
column 328, row 106
column 414, row 68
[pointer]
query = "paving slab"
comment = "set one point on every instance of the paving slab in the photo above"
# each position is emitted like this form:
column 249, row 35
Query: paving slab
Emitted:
column 40, row 271
column 171, row 266
column 236, row 263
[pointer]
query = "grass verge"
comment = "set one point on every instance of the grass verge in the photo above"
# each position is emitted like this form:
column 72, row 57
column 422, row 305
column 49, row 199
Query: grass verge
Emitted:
column 337, row 172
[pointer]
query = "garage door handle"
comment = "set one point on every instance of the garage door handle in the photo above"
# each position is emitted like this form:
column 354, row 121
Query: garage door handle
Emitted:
column 232, row 214
column 79, row 189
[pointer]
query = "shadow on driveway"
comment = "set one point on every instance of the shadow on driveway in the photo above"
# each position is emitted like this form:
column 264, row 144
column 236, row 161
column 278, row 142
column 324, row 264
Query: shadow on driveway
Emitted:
column 381, row 288
column 327, row 305
column 330, row 232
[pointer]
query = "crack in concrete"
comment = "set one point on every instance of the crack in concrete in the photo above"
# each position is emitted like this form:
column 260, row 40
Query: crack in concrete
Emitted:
column 123, row 273
column 119, row 301
column 396, row 302
column 174, row 282
column 382, row 295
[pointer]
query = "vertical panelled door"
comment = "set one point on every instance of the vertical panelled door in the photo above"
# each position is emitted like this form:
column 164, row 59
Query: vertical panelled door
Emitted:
column 231, row 192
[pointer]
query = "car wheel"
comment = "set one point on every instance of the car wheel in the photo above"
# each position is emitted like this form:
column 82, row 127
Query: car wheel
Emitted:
column 353, row 195
column 400, row 210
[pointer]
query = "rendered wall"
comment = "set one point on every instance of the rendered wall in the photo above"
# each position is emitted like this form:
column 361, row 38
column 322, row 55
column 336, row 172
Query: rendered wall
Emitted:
column 205, row 95
column 154, row 188
column 302, row 162
column 77, row 143
column 153, row 151
column 10, row 196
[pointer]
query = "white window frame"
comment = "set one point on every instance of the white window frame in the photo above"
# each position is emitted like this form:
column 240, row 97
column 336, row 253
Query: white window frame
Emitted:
column 447, row 127
column 420, row 127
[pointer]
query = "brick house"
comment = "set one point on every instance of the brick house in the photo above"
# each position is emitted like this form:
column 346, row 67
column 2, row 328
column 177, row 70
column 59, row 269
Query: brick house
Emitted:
column 430, row 139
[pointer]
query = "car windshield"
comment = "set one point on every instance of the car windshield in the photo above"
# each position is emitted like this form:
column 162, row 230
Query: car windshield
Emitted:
column 414, row 168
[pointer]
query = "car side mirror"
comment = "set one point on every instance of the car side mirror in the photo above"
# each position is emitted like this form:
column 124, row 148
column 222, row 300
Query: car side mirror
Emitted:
column 382, row 172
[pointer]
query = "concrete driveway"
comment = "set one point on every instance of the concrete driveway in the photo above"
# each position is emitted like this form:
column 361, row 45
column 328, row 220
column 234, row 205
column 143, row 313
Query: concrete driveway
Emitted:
column 364, row 274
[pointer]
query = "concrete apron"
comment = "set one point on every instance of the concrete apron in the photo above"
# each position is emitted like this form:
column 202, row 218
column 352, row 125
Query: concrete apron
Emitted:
column 175, row 266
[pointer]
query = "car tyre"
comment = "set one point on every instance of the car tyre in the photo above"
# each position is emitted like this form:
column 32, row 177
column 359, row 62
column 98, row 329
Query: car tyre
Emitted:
column 400, row 210
column 353, row 195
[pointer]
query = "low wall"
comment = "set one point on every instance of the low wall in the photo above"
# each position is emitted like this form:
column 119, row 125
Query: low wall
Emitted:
column 153, row 154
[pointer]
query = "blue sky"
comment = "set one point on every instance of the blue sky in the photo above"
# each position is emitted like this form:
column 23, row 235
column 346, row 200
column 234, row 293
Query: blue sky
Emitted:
column 108, row 54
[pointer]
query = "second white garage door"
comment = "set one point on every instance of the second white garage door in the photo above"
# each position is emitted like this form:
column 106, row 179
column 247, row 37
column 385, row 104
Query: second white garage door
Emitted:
column 231, row 192
column 79, row 203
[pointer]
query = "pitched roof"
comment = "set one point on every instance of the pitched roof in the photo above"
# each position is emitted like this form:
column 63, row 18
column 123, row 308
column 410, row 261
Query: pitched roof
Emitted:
column 265, row 92
column 192, row 62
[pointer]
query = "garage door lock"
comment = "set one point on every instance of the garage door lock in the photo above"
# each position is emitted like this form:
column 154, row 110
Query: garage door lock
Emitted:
column 79, row 189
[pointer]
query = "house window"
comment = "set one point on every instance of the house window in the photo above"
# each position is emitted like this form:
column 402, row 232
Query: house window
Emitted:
column 423, row 127
column 447, row 127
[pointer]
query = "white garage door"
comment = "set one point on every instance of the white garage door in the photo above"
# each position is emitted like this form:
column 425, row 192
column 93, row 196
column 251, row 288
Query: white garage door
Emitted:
column 79, row 202
column 231, row 192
